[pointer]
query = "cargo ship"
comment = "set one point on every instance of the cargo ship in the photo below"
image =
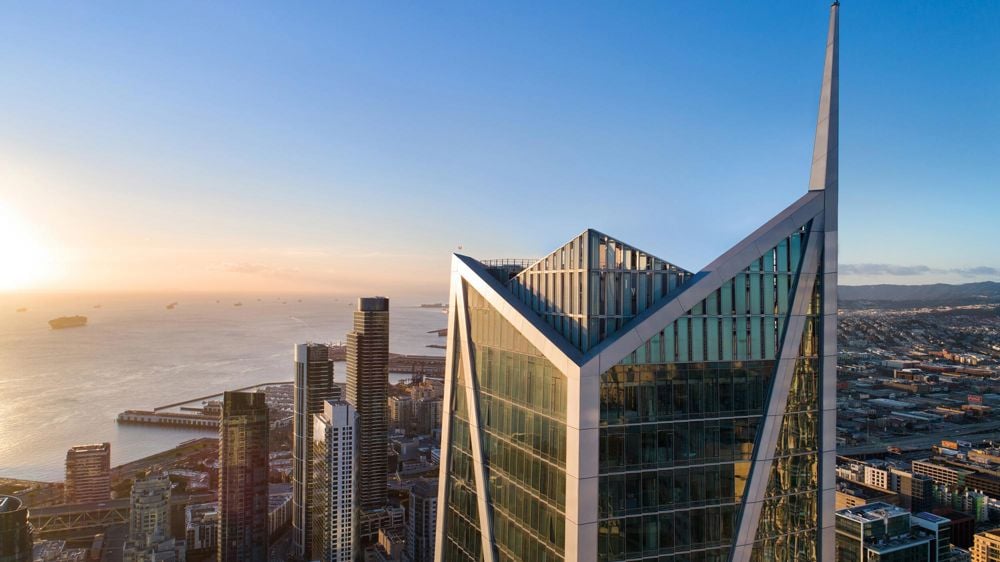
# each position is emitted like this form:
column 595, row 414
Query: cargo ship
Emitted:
column 68, row 322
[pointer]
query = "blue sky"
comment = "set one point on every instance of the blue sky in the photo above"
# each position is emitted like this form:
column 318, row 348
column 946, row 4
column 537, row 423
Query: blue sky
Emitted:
column 353, row 146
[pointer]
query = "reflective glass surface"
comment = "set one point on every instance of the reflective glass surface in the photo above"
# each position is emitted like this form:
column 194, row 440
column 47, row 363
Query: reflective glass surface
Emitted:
column 681, row 416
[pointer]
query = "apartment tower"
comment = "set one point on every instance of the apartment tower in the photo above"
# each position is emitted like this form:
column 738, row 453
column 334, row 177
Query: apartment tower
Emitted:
column 335, row 439
column 88, row 473
column 605, row 404
column 313, row 387
column 421, row 521
column 367, row 392
column 243, row 470
column 149, row 537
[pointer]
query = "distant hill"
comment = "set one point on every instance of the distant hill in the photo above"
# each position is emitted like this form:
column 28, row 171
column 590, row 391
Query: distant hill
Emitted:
column 986, row 291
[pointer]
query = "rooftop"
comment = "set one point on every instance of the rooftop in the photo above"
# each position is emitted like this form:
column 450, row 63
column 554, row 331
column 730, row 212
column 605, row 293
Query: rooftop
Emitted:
column 9, row 503
column 872, row 512
column 931, row 517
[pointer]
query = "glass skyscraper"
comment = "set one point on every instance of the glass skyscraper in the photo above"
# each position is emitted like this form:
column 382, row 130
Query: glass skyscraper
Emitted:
column 15, row 531
column 605, row 404
column 243, row 471
column 313, row 387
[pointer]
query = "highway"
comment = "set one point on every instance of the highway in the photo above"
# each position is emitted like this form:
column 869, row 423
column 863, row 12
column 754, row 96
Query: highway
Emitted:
column 971, row 432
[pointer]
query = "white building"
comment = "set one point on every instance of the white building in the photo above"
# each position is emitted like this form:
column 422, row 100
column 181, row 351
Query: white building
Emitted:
column 149, row 537
column 335, row 433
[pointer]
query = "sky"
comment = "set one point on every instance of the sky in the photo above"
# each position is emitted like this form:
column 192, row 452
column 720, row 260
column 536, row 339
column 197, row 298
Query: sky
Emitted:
column 351, row 147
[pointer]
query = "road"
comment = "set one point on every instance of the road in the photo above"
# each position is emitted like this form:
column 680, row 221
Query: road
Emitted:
column 972, row 432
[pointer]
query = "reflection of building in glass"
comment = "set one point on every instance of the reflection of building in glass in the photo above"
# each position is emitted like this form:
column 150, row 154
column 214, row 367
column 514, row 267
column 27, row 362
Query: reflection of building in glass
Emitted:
column 604, row 404
column 313, row 386
column 88, row 473
column 15, row 531
column 243, row 468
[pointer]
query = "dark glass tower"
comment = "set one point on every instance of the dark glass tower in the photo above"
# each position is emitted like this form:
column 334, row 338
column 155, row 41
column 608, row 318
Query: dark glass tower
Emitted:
column 367, row 392
column 15, row 531
column 243, row 468
column 313, row 386
column 603, row 404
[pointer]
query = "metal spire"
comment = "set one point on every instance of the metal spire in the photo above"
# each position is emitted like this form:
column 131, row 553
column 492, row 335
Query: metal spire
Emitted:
column 824, row 164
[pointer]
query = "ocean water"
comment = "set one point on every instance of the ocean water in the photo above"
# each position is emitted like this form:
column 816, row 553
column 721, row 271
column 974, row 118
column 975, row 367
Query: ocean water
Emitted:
column 60, row 388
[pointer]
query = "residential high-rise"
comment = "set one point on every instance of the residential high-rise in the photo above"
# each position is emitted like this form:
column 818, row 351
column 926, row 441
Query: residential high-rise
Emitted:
column 15, row 531
column 243, row 471
column 88, row 473
column 604, row 404
column 421, row 521
column 149, row 537
column 367, row 392
column 334, row 435
column 986, row 547
column 313, row 386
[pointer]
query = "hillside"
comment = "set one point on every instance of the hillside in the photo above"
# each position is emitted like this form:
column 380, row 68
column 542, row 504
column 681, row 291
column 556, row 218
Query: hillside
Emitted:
column 938, row 293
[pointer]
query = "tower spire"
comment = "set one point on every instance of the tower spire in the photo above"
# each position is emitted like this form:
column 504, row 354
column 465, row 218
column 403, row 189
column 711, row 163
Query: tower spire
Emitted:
column 824, row 163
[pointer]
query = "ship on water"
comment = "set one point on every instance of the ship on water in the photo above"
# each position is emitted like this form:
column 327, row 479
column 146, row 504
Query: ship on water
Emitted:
column 68, row 322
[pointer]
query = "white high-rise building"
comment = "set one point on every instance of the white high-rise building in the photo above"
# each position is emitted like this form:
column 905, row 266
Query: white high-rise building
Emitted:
column 335, row 439
column 149, row 537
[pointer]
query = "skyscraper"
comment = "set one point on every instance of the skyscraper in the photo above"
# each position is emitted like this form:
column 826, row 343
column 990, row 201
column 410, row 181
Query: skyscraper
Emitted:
column 88, row 473
column 421, row 522
column 313, row 386
column 335, row 485
column 605, row 404
column 15, row 531
column 149, row 537
column 243, row 469
column 367, row 392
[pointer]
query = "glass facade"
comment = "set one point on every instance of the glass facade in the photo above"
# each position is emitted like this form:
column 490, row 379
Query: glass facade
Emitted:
column 593, row 285
column 461, row 517
column 681, row 416
column 788, row 522
column 679, row 422
column 522, row 416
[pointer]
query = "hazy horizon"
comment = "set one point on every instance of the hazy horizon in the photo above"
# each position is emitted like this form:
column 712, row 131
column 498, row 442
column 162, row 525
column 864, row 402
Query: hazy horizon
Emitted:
column 199, row 147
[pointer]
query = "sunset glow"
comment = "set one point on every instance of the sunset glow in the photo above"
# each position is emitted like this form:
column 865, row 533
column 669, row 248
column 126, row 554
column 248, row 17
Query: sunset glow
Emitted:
column 24, row 260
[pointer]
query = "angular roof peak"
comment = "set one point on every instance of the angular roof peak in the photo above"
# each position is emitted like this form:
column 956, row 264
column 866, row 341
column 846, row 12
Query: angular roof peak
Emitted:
column 823, row 175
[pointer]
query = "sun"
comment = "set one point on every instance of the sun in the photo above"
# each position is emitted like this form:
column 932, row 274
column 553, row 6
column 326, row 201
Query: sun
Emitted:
column 24, row 260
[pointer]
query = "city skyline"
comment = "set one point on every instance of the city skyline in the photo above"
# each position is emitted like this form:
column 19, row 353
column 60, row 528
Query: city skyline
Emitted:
column 182, row 179
column 731, row 362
